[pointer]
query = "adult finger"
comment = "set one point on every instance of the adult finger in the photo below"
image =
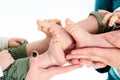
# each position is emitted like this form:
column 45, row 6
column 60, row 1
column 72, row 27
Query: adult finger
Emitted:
column 34, row 59
column 106, row 56
column 95, row 64
column 85, row 53
column 93, row 54
column 63, row 69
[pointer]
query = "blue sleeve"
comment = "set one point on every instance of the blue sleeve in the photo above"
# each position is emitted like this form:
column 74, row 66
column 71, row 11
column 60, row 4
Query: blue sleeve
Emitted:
column 104, row 4
column 116, row 4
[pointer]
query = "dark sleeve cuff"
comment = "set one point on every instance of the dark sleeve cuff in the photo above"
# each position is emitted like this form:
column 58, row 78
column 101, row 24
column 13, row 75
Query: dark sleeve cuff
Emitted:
column 103, row 70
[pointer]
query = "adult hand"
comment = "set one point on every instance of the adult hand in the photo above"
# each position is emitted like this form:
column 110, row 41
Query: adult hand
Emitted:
column 37, row 73
column 109, row 56
column 114, row 17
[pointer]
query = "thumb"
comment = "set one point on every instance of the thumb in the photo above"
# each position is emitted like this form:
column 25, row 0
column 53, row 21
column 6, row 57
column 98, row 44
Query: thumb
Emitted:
column 34, row 59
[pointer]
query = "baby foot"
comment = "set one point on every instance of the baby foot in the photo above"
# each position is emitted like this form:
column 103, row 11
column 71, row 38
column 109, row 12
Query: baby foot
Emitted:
column 40, row 27
column 60, row 41
column 82, row 37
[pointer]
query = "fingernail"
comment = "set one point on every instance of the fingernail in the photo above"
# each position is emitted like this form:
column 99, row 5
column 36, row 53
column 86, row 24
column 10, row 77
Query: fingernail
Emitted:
column 34, row 54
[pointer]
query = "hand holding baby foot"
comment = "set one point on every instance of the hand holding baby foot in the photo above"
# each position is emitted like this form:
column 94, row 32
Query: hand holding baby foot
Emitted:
column 37, row 73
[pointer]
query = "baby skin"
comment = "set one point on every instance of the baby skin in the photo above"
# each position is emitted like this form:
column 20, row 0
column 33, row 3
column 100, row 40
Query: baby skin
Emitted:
column 84, row 38
column 60, row 41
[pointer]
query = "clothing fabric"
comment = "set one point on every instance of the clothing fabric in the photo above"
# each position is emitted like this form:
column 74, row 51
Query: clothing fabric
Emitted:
column 3, row 43
column 117, row 71
column 109, row 5
column 19, row 69
column 118, row 9
column 1, row 72
column 112, row 75
column 102, row 29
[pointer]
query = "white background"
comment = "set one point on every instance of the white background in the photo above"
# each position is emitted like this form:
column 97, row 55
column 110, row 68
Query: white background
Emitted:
column 18, row 19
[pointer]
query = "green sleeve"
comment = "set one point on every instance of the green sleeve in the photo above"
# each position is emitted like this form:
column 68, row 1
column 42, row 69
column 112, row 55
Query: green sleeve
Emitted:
column 18, row 52
column 103, row 27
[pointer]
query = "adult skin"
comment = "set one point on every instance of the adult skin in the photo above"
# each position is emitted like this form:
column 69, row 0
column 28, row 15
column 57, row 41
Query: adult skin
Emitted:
column 109, row 56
